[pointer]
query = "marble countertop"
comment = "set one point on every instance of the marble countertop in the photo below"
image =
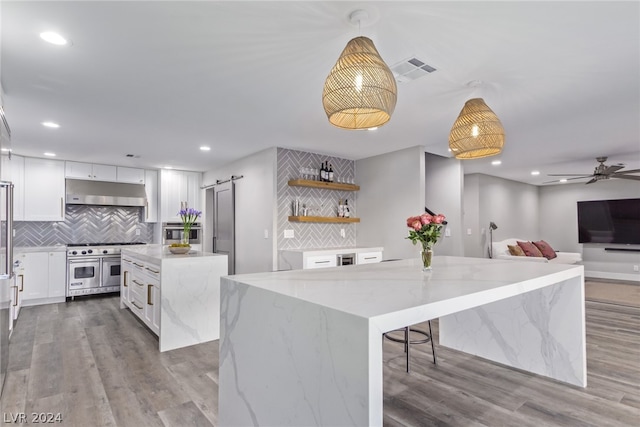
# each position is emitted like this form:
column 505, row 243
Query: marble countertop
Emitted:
column 373, row 290
column 335, row 251
column 27, row 249
column 156, row 252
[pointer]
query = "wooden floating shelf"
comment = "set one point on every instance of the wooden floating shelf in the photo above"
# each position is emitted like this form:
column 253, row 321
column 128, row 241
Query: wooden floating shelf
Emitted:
column 323, row 184
column 330, row 219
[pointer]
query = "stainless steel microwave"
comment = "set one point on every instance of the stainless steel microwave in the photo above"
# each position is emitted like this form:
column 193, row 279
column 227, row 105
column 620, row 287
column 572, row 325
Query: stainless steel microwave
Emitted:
column 172, row 233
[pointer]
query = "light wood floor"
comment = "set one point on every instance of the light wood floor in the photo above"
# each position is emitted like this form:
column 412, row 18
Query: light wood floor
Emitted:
column 98, row 366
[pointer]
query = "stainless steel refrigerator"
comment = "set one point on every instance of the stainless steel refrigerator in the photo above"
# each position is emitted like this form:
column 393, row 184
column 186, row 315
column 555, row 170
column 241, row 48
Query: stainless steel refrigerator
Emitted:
column 6, row 248
column 6, row 273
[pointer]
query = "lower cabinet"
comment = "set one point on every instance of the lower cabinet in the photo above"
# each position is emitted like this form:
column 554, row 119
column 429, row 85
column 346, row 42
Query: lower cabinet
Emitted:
column 41, row 277
column 140, row 290
column 368, row 257
column 321, row 261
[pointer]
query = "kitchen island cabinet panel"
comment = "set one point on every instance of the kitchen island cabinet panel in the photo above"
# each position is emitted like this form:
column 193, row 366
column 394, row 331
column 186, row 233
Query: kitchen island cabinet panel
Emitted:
column 176, row 296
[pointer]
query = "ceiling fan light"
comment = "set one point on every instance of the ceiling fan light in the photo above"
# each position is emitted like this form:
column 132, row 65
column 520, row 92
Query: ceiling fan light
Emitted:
column 360, row 91
column 477, row 132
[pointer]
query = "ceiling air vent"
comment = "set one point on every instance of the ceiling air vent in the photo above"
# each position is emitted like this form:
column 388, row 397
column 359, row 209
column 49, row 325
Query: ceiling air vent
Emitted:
column 410, row 69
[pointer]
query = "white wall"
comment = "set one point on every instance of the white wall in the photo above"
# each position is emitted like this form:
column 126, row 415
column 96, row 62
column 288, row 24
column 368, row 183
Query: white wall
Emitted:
column 255, row 209
column 443, row 194
column 392, row 189
column 512, row 205
column 559, row 226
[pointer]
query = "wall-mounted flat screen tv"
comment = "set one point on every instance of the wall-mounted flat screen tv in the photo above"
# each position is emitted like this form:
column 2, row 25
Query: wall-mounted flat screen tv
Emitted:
column 609, row 221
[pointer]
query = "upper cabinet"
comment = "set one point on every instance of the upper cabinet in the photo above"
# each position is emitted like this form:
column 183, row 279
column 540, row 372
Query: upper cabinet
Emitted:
column 96, row 172
column 178, row 189
column 43, row 189
column 151, row 188
column 131, row 175
column 90, row 171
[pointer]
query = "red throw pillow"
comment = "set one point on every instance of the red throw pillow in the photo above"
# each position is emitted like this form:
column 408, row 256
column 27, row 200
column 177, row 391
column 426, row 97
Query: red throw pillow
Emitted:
column 546, row 249
column 529, row 249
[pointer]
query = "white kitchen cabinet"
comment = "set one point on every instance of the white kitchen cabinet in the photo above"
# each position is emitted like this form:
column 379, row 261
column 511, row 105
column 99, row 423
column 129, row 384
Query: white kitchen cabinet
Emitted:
column 368, row 257
column 17, row 177
column 16, row 296
column 43, row 190
column 151, row 188
column 57, row 274
column 178, row 189
column 140, row 290
column 90, row 171
column 321, row 261
column 42, row 277
column 130, row 175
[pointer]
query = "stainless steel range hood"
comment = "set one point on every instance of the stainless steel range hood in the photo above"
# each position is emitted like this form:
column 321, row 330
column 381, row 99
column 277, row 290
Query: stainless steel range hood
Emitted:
column 81, row 192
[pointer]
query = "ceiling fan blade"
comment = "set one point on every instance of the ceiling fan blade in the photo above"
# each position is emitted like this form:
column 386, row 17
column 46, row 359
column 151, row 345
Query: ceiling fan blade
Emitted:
column 611, row 169
column 623, row 176
column 567, row 179
column 568, row 174
column 591, row 181
column 629, row 171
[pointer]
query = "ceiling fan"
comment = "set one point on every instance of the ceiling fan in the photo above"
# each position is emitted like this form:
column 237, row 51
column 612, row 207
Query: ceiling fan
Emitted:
column 601, row 172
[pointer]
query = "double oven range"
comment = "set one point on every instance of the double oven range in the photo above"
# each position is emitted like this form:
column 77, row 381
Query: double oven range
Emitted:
column 93, row 268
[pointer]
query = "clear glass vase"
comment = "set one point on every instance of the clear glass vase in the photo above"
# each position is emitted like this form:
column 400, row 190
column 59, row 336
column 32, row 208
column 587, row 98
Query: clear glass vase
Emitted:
column 427, row 257
column 186, row 232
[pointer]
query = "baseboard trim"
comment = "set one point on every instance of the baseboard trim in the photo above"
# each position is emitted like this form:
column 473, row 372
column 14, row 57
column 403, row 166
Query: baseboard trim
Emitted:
column 613, row 276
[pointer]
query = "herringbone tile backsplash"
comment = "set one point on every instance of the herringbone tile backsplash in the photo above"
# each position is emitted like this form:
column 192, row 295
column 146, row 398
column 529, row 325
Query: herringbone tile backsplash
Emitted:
column 86, row 224
column 319, row 202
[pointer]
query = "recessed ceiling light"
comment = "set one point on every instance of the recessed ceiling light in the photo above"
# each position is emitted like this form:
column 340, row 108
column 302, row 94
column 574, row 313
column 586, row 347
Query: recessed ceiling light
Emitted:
column 496, row 162
column 534, row 173
column 563, row 180
column 50, row 154
column 205, row 148
column 53, row 38
column 50, row 124
column 4, row 150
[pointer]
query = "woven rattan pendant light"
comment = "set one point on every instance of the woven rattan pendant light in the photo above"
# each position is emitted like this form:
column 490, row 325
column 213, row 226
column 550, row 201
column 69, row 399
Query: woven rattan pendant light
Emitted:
column 477, row 132
column 360, row 91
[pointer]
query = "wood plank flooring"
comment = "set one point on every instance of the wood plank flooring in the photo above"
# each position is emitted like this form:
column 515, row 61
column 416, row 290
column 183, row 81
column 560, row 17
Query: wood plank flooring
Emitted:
column 98, row 366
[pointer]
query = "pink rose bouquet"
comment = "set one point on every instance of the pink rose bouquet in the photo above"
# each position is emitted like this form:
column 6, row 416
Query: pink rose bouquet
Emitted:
column 425, row 229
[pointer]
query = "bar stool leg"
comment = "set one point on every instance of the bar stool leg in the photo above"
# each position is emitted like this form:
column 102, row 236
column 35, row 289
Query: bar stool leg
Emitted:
column 433, row 348
column 407, row 343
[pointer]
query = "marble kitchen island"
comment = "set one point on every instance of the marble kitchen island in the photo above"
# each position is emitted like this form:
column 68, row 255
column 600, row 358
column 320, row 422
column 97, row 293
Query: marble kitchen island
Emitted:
column 176, row 296
column 304, row 347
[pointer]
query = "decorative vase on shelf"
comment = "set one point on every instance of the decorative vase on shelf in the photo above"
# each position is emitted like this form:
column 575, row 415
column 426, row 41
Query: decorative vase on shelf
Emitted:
column 427, row 256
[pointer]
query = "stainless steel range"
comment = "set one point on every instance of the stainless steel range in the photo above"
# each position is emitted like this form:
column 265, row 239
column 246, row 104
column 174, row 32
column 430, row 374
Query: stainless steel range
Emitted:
column 94, row 268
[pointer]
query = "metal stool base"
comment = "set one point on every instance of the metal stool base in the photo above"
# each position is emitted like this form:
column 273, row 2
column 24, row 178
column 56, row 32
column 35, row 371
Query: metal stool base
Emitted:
column 409, row 342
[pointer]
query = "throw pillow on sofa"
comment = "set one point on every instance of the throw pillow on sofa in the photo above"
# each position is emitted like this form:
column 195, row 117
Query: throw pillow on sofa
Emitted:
column 529, row 249
column 546, row 249
column 516, row 250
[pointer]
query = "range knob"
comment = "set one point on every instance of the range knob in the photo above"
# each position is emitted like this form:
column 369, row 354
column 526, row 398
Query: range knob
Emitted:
column 105, row 251
column 90, row 251
column 74, row 253
column 83, row 252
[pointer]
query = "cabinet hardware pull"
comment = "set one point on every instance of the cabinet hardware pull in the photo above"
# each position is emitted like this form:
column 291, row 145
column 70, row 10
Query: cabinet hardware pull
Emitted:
column 138, row 265
column 61, row 207
column 370, row 257
column 21, row 276
column 322, row 262
column 149, row 294
column 152, row 270
column 137, row 283
column 146, row 203
column 15, row 301
column 124, row 282
column 136, row 305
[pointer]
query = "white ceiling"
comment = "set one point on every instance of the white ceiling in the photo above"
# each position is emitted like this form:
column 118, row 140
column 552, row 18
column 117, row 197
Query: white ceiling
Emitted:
column 159, row 79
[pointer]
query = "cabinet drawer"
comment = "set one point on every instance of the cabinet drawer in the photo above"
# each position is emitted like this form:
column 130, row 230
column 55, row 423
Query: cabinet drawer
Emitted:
column 321, row 261
column 368, row 257
column 137, row 287
column 153, row 271
column 137, row 305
